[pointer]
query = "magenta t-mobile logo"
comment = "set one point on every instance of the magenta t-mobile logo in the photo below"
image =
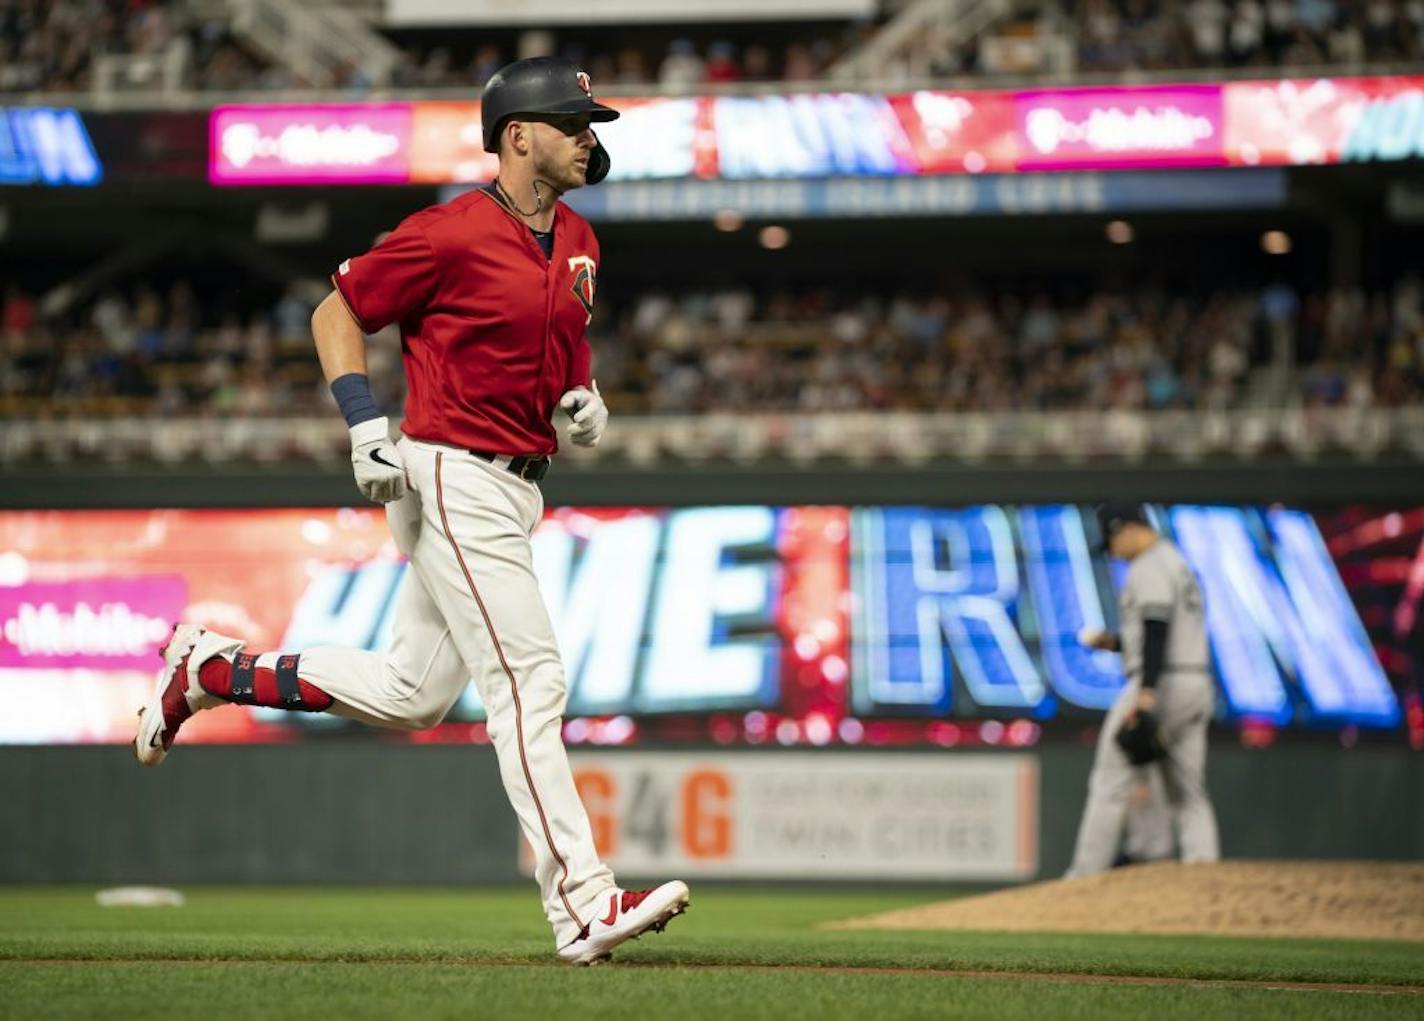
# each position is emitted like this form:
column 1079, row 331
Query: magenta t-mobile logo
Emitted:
column 102, row 623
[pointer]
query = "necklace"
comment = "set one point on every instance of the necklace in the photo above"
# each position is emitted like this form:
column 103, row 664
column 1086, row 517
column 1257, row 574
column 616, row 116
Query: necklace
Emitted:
column 538, row 199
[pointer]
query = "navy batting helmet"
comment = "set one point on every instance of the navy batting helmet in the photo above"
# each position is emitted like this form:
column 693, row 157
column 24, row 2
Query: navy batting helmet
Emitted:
column 547, row 85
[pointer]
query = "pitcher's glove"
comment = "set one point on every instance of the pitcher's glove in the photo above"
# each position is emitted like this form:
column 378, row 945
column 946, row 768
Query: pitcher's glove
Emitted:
column 1140, row 740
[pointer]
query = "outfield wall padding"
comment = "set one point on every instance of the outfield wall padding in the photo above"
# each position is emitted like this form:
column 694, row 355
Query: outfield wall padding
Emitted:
column 380, row 812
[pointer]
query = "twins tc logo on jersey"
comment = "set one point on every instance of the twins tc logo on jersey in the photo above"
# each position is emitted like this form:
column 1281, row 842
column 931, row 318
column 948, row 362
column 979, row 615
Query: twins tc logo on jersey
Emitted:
column 585, row 83
column 585, row 272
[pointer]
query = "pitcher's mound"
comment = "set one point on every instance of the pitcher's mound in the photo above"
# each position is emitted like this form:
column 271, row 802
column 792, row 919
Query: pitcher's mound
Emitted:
column 1341, row 899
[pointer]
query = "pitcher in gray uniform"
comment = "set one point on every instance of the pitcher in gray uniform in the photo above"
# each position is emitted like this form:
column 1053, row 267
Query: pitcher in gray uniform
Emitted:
column 1164, row 648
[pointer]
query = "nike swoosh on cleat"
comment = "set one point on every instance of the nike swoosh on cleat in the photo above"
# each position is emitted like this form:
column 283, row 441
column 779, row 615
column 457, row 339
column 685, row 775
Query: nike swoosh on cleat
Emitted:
column 612, row 911
column 156, row 741
column 376, row 456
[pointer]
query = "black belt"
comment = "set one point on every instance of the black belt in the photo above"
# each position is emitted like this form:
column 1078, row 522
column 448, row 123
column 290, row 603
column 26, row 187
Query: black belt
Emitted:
column 530, row 469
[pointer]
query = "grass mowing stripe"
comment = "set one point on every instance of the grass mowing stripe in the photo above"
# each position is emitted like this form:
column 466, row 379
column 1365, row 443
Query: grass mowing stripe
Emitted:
column 1276, row 961
column 358, row 992
column 1002, row 976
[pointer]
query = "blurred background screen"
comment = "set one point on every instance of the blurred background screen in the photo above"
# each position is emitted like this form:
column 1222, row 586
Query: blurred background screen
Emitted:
column 784, row 625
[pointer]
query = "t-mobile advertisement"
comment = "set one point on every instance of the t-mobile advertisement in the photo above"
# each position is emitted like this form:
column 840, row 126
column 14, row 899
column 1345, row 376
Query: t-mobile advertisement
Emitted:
column 352, row 144
column 761, row 625
column 810, row 136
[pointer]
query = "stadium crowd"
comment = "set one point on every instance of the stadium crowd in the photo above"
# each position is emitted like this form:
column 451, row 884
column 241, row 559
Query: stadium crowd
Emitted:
column 146, row 353
column 1116, row 35
column 49, row 45
column 681, row 63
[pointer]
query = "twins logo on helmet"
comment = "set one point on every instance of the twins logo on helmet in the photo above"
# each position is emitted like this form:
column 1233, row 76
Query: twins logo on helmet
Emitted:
column 585, row 83
column 585, row 272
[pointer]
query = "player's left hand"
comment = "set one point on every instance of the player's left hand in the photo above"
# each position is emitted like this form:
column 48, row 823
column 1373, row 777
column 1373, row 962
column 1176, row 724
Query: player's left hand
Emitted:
column 589, row 414
column 1145, row 703
column 1140, row 739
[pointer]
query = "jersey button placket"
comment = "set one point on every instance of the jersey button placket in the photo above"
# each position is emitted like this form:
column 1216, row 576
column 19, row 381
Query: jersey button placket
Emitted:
column 550, row 273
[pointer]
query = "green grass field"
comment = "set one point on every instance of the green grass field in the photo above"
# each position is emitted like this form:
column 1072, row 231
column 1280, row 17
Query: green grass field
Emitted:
column 738, row 953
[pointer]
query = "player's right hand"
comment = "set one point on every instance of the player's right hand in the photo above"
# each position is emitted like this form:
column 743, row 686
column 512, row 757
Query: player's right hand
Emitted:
column 380, row 472
column 1095, row 638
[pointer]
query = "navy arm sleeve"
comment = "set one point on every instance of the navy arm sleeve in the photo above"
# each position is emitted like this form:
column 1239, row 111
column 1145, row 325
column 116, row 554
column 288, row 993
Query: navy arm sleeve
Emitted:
column 1154, row 650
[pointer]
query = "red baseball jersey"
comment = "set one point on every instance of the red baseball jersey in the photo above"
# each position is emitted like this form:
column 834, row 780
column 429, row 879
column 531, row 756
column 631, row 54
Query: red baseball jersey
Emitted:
column 492, row 332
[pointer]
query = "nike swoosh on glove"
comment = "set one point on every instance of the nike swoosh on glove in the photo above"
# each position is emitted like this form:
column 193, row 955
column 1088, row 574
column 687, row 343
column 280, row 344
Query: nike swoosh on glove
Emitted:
column 380, row 472
column 589, row 414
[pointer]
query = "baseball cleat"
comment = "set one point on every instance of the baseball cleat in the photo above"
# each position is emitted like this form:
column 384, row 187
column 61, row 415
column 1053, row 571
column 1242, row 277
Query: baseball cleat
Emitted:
column 176, row 693
column 627, row 915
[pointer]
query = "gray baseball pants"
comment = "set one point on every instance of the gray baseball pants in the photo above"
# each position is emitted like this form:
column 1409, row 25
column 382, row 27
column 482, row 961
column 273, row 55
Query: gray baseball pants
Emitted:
column 1184, row 709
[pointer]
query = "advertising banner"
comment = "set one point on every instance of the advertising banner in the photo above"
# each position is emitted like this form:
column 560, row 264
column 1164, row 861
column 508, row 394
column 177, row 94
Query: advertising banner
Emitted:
column 108, row 623
column 945, row 195
column 1324, row 121
column 447, row 144
column 800, row 815
column 807, row 625
column 1172, row 126
column 959, row 132
column 351, row 144
column 46, row 145
column 834, row 135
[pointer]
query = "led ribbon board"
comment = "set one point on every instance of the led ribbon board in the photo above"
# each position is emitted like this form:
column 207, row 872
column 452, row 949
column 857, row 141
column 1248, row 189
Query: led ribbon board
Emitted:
column 45, row 145
column 814, row 136
column 982, row 606
column 903, row 612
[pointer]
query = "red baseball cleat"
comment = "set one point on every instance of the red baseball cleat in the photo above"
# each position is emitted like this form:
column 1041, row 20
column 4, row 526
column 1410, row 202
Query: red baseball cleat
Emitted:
column 627, row 914
column 176, row 696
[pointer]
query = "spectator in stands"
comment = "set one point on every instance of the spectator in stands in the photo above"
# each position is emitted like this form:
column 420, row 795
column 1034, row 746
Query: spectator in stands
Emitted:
column 798, row 64
column 292, row 318
column 682, row 68
column 630, row 67
column 756, row 64
column 487, row 61
column 17, row 318
column 1208, row 20
column 722, row 63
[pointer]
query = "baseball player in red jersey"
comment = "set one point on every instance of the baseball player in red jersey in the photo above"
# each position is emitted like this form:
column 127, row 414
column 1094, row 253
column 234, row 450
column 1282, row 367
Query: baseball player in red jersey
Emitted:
column 493, row 292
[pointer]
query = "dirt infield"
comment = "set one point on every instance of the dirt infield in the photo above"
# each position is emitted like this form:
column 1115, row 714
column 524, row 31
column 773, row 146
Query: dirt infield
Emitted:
column 1342, row 900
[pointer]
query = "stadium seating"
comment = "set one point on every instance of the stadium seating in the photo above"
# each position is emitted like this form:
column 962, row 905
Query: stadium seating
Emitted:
column 59, row 46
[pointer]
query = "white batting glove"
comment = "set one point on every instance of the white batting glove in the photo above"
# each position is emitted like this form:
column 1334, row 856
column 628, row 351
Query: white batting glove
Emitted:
column 589, row 414
column 380, row 472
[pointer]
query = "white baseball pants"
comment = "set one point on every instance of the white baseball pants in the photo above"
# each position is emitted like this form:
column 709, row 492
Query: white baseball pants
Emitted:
column 470, row 607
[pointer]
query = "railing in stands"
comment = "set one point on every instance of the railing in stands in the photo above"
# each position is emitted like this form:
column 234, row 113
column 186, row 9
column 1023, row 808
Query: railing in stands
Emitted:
column 953, row 21
column 859, row 437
